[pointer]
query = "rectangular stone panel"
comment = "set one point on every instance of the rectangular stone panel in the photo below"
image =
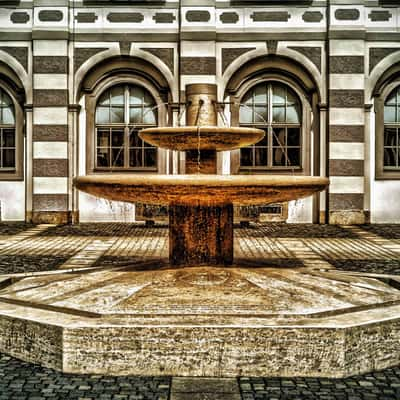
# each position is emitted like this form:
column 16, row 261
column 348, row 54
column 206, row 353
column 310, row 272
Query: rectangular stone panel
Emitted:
column 50, row 97
column 43, row 185
column 50, row 115
column 346, row 201
column 50, row 133
column 346, row 64
column 50, row 81
column 346, row 116
column 346, row 151
column 50, row 65
column 346, row 98
column 50, row 47
column 346, row 133
column 198, row 66
column 346, row 167
column 50, row 167
column 346, row 184
column 50, row 202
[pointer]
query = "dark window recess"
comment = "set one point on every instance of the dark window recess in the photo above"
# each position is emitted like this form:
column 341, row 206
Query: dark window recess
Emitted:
column 391, row 132
column 276, row 109
column 121, row 112
column 7, row 133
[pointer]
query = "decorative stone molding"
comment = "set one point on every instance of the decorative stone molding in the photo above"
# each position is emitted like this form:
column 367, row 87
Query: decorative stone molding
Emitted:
column 51, row 15
column 50, row 133
column 272, row 46
column 19, row 17
column 378, row 15
column 164, row 18
column 312, row 16
column 86, row 17
column 50, row 202
column 377, row 54
column 128, row 17
column 19, row 53
column 312, row 53
column 50, row 64
column 346, row 133
column 270, row 16
column 229, row 55
column 229, row 17
column 347, row 14
column 50, row 168
column 198, row 16
column 346, row 168
column 166, row 55
column 125, row 48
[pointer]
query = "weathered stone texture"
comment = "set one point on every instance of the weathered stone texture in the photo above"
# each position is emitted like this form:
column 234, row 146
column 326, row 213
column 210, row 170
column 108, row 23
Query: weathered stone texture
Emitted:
column 312, row 16
column 198, row 16
column 164, row 18
column 229, row 17
column 346, row 167
column 377, row 54
column 82, row 54
column 346, row 133
column 270, row 16
column 50, row 64
column 86, row 17
column 50, row 202
column 50, row 97
column 346, row 201
column 50, row 167
column 19, row 17
column 127, row 17
column 346, row 98
column 19, row 53
column 198, row 65
column 347, row 14
column 312, row 53
column 230, row 55
column 346, row 64
column 50, row 133
column 166, row 55
column 50, row 15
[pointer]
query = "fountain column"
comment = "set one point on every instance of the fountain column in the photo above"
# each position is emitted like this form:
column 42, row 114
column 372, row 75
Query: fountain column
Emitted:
column 201, row 232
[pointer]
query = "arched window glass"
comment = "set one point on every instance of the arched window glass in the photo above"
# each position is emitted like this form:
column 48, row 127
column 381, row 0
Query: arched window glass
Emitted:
column 7, row 133
column 121, row 112
column 276, row 108
column 391, row 141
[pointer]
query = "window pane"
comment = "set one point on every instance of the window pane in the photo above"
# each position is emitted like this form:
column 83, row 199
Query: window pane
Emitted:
column 260, row 114
column 104, row 99
column 293, row 137
column 9, row 138
column 260, row 94
column 136, row 115
column 117, row 96
column 390, row 137
column 103, row 138
column 117, row 138
column 261, row 156
column 294, row 157
column 279, row 94
column 5, row 99
column 150, row 157
column 248, row 98
column 246, row 157
column 103, row 157
column 102, row 115
column 390, row 114
column 8, row 116
column 149, row 116
column 292, row 115
column 9, row 158
column 246, row 115
column 136, row 95
column 148, row 99
column 117, row 157
column 135, row 158
column 278, row 138
column 279, row 157
column 263, row 141
column 391, row 99
column 279, row 114
column 117, row 115
column 291, row 97
column 134, row 139
column 390, row 157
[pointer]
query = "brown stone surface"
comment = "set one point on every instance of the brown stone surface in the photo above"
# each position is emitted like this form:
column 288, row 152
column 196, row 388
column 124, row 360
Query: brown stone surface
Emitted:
column 50, row 202
column 57, row 167
column 203, row 137
column 348, row 217
column 50, row 64
column 204, row 162
column 229, row 55
column 346, row 201
column 198, row 65
column 346, row 167
column 191, row 189
column 50, row 133
column 346, row 64
column 50, row 97
column 346, row 98
column 50, row 217
column 346, row 133
column 200, row 234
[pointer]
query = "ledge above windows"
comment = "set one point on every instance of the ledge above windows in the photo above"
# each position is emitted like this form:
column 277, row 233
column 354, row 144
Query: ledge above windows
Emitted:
column 273, row 2
column 122, row 2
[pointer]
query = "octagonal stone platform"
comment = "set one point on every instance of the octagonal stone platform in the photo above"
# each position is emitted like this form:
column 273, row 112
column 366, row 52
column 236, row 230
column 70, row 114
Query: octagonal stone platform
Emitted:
column 156, row 320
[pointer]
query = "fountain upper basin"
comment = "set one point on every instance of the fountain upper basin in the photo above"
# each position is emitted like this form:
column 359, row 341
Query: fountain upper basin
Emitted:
column 202, row 137
column 195, row 189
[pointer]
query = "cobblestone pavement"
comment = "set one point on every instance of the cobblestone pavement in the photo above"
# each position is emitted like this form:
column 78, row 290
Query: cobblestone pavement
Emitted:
column 28, row 248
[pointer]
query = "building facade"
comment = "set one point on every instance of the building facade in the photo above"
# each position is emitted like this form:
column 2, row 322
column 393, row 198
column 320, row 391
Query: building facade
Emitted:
column 79, row 79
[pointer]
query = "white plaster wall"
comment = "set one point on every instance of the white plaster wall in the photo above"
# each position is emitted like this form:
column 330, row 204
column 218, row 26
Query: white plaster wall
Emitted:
column 12, row 201
column 300, row 211
column 385, row 195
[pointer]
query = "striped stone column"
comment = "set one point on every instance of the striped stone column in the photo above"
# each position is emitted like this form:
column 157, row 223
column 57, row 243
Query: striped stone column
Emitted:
column 50, row 131
column 346, row 132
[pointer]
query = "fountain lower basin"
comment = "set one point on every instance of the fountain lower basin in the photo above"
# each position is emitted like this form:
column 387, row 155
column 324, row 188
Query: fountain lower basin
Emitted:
column 201, row 189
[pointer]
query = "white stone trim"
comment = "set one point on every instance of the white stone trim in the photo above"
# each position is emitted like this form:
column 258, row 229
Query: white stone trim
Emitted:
column 346, row 184
column 50, row 150
column 50, row 185
column 346, row 151
column 198, row 48
column 50, row 48
column 347, row 116
column 50, row 81
column 344, row 47
column 347, row 81
column 50, row 116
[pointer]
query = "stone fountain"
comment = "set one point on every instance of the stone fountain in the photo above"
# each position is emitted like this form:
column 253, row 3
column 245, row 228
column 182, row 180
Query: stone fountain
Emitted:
column 202, row 313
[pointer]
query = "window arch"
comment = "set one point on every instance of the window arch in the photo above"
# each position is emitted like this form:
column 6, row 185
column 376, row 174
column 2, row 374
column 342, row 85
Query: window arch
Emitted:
column 277, row 109
column 8, row 139
column 391, row 131
column 121, row 112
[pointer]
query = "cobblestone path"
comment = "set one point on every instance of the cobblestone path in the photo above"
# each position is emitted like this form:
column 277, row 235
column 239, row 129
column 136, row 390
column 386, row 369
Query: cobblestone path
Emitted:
column 28, row 248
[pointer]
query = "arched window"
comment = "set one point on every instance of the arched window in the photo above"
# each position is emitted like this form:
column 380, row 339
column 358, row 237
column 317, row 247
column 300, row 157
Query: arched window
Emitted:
column 391, row 133
column 7, row 133
column 275, row 108
column 121, row 112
